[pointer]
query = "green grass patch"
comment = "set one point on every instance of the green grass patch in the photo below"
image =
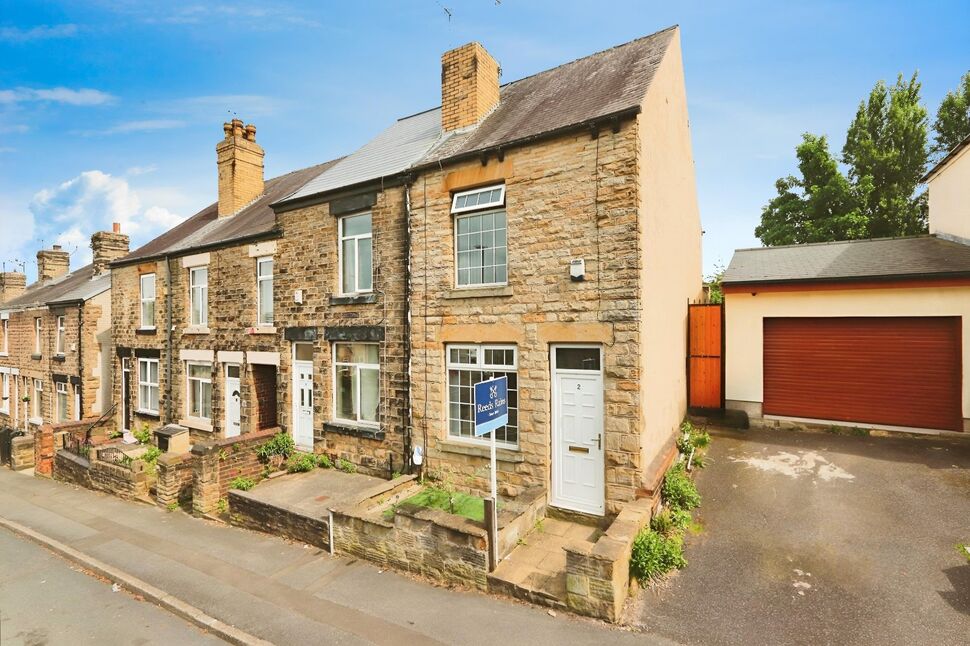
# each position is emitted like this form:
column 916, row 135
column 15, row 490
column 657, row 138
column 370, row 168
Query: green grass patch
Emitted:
column 453, row 502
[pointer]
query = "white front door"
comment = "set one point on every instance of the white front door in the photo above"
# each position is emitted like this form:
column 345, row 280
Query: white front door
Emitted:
column 126, row 394
column 578, row 471
column 303, row 404
column 232, row 400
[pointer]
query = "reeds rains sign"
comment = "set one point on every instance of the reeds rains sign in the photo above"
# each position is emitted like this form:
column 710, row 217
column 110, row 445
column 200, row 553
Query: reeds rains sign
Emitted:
column 491, row 405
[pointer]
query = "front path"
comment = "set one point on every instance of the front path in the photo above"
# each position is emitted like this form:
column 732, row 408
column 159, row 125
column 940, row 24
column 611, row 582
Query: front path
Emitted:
column 819, row 538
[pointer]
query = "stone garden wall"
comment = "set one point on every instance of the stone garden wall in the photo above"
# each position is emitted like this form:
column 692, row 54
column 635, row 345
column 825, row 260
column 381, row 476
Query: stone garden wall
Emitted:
column 129, row 482
column 215, row 464
column 175, row 478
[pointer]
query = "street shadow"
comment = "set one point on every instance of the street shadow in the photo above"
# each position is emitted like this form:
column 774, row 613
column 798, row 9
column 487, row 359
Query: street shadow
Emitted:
column 959, row 597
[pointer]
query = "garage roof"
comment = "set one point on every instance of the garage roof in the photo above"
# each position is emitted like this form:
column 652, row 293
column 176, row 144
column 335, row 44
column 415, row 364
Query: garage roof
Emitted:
column 914, row 257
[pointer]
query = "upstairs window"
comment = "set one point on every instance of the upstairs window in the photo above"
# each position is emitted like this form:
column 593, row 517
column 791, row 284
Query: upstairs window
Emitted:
column 199, row 295
column 356, row 254
column 481, row 250
column 5, row 331
column 147, row 300
column 60, row 335
column 37, row 335
column 264, row 290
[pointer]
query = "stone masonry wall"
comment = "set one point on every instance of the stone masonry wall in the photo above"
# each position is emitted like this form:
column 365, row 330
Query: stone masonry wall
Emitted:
column 572, row 197
column 307, row 260
column 216, row 463
column 176, row 474
column 127, row 482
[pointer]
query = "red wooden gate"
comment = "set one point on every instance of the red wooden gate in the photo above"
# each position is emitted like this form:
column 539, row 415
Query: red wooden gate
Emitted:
column 705, row 361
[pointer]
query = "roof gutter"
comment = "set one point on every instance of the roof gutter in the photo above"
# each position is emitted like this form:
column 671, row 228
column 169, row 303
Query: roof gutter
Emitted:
column 847, row 279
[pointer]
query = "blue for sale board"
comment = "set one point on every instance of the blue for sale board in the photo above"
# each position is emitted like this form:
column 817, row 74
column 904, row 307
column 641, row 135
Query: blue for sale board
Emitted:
column 491, row 405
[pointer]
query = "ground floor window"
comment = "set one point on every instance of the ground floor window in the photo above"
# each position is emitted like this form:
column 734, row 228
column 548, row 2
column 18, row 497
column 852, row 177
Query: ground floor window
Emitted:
column 62, row 411
column 468, row 365
column 148, row 386
column 38, row 393
column 5, row 393
column 199, row 377
column 77, row 402
column 356, row 382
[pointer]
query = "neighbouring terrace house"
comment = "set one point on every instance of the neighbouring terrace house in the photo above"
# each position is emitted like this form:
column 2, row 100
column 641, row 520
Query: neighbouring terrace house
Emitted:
column 546, row 230
column 861, row 333
column 55, row 337
column 195, row 338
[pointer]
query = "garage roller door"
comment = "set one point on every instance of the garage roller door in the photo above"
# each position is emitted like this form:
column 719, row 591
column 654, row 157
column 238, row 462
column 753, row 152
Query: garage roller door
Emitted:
column 892, row 371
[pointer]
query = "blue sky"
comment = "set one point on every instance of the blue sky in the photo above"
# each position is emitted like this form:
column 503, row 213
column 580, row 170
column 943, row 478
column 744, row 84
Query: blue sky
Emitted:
column 110, row 110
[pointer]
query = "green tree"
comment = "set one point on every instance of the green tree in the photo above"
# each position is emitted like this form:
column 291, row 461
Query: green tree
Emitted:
column 816, row 207
column 886, row 153
column 952, row 123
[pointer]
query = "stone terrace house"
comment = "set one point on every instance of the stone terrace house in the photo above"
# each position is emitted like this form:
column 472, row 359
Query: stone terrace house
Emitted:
column 196, row 343
column 546, row 230
column 55, row 337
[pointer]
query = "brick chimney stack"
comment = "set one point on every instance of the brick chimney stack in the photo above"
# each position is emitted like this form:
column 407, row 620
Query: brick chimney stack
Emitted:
column 108, row 246
column 240, row 162
column 52, row 263
column 469, row 86
column 12, row 285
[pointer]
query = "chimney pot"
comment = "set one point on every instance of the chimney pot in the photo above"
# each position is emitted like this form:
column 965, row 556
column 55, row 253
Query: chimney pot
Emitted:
column 116, row 227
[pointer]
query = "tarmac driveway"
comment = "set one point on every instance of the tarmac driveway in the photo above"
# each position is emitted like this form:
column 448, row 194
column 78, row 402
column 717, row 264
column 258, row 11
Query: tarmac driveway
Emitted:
column 819, row 538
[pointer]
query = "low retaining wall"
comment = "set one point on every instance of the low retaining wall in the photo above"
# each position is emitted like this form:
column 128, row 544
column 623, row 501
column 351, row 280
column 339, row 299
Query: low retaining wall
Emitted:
column 49, row 438
column 246, row 511
column 515, row 523
column 130, row 483
column 175, row 478
column 216, row 463
column 22, row 452
column 598, row 576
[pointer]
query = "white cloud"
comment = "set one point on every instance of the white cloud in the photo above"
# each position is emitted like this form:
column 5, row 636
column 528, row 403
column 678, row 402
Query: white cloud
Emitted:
column 75, row 242
column 68, row 96
column 128, row 127
column 17, row 225
column 135, row 171
column 202, row 108
column 40, row 32
column 91, row 202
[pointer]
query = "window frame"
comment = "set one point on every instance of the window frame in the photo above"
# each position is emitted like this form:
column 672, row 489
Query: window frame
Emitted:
column 143, row 300
column 37, row 335
column 61, row 412
column 340, row 254
column 481, row 366
column 500, row 203
column 148, row 384
column 476, row 213
column 77, row 402
column 203, row 298
column 5, row 329
column 367, row 366
column 60, row 338
column 188, row 390
column 259, row 292
column 5, row 393
column 36, row 408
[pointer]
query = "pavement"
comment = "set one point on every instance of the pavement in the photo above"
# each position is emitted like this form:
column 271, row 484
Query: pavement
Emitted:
column 47, row 600
column 822, row 539
column 272, row 589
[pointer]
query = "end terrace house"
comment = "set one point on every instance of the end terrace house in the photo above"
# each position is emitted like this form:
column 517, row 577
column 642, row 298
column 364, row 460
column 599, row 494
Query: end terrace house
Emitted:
column 195, row 335
column 55, row 337
column 546, row 230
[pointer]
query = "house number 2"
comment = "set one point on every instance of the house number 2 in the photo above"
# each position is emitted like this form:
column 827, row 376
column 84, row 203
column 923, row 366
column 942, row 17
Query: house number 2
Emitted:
column 579, row 386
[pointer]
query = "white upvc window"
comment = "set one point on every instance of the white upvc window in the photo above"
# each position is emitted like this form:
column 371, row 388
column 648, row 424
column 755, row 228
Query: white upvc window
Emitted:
column 481, row 237
column 148, row 386
column 199, row 390
column 264, row 290
column 5, row 393
column 60, row 335
column 356, row 383
column 5, row 330
column 37, row 335
column 468, row 365
column 147, row 297
column 356, row 253
column 60, row 388
column 199, row 295
column 77, row 402
column 38, row 395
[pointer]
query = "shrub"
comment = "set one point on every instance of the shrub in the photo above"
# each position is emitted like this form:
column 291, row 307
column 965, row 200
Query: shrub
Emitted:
column 324, row 461
column 281, row 445
column 242, row 483
column 678, row 489
column 669, row 521
column 301, row 462
column 346, row 466
column 144, row 436
column 964, row 551
column 150, row 456
column 655, row 554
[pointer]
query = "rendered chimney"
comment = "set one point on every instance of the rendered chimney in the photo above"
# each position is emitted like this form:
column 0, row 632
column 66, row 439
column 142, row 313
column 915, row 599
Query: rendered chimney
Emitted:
column 12, row 285
column 469, row 86
column 240, row 161
column 52, row 263
column 108, row 246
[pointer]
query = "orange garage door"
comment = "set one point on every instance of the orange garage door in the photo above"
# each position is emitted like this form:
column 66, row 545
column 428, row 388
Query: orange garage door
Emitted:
column 894, row 371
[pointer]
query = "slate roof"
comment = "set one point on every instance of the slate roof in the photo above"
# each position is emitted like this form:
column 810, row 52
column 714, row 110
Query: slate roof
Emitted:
column 919, row 256
column 601, row 85
column 80, row 284
column 205, row 229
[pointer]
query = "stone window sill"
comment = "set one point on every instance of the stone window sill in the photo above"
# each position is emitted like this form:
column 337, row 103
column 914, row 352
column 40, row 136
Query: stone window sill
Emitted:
column 478, row 450
column 58, row 357
column 147, row 413
column 36, row 421
column 344, row 428
column 261, row 329
column 479, row 292
column 35, row 356
column 197, row 424
column 145, row 330
column 195, row 330
column 4, row 354
column 353, row 299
